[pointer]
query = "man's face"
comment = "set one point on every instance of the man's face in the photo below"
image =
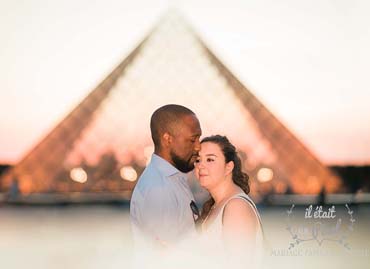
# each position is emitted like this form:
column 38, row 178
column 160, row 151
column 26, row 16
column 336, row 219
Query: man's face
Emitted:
column 185, row 143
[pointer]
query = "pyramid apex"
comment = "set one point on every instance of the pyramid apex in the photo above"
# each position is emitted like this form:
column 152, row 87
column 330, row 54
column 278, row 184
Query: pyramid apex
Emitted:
column 174, row 15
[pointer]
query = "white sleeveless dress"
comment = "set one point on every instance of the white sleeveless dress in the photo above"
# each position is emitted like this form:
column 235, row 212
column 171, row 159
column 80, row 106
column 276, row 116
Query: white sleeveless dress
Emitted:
column 212, row 238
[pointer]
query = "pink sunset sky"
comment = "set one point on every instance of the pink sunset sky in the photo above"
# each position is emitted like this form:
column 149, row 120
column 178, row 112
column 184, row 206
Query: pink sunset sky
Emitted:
column 307, row 61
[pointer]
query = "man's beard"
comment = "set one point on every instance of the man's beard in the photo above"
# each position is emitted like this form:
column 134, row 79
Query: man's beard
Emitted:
column 184, row 166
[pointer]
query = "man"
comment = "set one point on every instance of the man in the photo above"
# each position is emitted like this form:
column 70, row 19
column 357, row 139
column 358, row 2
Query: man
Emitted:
column 160, row 204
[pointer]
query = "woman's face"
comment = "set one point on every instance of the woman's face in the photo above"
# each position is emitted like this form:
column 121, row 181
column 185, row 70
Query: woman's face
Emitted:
column 210, row 166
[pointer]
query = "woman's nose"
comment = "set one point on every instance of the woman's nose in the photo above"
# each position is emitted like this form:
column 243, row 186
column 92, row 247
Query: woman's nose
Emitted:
column 200, row 164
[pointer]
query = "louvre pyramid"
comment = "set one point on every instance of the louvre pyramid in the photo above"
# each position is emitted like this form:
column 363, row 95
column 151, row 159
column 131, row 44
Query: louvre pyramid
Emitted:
column 109, row 129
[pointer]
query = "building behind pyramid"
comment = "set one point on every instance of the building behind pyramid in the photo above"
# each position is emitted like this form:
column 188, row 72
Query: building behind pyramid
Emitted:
column 104, row 143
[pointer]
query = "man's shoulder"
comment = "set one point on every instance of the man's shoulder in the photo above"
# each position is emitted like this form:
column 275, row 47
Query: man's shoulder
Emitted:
column 151, row 188
column 151, row 180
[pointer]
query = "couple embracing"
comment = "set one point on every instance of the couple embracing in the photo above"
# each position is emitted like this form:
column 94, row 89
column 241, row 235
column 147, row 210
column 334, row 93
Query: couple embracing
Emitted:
column 163, row 212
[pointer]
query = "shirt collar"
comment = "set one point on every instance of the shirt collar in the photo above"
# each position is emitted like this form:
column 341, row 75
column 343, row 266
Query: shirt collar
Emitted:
column 164, row 166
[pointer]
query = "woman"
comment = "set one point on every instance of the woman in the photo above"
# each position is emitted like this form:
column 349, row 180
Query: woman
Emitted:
column 230, row 221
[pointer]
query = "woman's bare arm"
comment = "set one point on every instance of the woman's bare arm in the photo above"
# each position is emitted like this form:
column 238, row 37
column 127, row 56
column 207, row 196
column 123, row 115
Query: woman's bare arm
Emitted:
column 240, row 225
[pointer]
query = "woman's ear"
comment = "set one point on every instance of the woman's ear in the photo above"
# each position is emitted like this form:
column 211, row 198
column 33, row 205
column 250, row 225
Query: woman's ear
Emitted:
column 229, row 168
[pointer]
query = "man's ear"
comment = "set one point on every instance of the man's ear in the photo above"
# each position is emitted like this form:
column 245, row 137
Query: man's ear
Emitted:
column 229, row 168
column 167, row 139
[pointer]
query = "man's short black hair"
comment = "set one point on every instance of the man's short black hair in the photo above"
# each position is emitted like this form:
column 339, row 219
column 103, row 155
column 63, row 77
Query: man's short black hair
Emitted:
column 164, row 119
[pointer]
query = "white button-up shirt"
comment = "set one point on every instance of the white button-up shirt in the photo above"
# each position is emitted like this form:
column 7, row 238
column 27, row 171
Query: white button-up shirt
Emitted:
column 160, row 204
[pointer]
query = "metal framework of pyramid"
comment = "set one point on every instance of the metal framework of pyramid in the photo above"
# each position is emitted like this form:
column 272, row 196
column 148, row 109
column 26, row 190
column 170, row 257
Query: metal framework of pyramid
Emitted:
column 109, row 129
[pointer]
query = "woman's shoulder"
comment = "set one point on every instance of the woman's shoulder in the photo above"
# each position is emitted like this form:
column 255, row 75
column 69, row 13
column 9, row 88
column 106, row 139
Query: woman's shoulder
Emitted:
column 241, row 208
column 239, row 219
column 240, row 201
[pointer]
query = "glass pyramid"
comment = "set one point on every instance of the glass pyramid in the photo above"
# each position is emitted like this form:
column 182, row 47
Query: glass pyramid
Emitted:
column 104, row 143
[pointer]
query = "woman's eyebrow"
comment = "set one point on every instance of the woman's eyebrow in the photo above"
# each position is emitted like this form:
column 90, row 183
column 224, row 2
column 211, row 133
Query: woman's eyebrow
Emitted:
column 211, row 155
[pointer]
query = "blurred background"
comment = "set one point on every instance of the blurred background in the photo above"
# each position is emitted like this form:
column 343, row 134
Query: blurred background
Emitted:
column 284, row 80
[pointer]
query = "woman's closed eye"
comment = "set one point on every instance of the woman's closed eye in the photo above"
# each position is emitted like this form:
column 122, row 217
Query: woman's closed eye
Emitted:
column 207, row 160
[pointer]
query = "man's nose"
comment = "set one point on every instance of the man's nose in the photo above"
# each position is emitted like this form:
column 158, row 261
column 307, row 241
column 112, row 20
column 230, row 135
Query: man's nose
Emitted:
column 197, row 145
